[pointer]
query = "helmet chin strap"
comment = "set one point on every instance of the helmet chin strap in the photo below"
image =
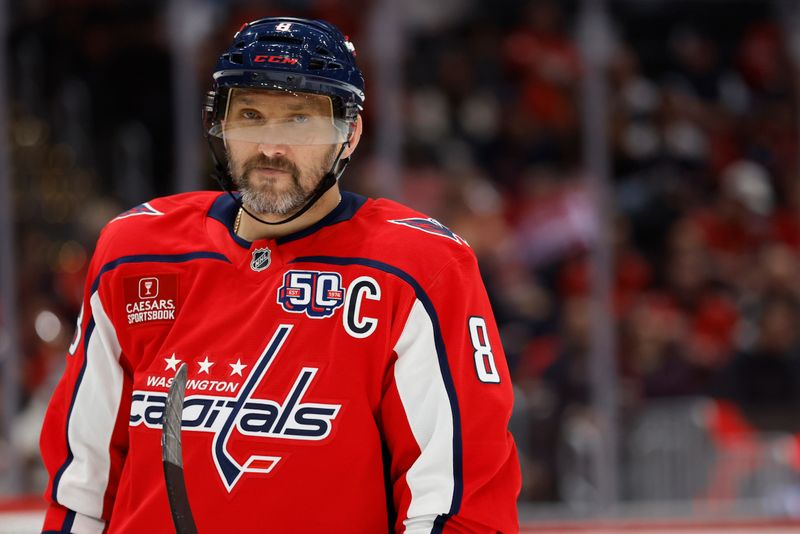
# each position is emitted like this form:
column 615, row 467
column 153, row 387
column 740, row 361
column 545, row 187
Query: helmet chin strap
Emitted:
column 328, row 180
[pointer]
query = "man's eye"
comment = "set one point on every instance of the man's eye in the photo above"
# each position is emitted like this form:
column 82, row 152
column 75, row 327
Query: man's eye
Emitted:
column 250, row 114
column 300, row 119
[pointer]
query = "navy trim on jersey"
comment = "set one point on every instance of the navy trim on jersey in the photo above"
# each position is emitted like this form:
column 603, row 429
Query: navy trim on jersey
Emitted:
column 447, row 378
column 69, row 520
column 156, row 258
column 224, row 210
column 70, row 457
column 140, row 258
column 391, row 511
column 438, row 523
column 344, row 211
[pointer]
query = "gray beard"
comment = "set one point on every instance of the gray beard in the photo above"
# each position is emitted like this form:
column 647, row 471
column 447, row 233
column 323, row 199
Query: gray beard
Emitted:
column 266, row 201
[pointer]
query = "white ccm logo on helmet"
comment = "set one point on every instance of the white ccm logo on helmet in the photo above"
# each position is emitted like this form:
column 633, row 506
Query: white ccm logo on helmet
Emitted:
column 288, row 419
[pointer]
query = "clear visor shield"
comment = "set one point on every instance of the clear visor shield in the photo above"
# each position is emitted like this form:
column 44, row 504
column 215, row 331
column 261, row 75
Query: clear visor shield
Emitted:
column 280, row 118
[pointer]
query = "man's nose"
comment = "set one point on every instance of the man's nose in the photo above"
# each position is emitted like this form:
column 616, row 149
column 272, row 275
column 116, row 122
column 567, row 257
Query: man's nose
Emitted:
column 273, row 149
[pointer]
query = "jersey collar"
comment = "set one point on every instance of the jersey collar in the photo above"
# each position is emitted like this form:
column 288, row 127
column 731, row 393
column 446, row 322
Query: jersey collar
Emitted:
column 224, row 210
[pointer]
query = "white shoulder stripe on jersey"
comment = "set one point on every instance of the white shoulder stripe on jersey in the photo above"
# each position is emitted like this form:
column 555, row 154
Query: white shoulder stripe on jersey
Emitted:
column 87, row 525
column 83, row 483
column 424, row 396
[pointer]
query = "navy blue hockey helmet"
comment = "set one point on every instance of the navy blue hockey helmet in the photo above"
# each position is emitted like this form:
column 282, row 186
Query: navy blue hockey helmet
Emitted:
column 291, row 54
column 306, row 69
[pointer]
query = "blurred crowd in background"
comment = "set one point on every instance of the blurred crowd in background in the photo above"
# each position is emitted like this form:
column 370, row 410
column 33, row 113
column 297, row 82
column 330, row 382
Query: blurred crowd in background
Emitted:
column 704, row 152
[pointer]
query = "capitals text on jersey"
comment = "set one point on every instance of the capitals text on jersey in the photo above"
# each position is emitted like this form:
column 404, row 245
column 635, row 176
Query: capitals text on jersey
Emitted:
column 289, row 419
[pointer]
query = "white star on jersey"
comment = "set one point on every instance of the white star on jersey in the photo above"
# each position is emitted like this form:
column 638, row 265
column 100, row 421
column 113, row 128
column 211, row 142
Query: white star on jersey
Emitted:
column 236, row 368
column 172, row 363
column 205, row 365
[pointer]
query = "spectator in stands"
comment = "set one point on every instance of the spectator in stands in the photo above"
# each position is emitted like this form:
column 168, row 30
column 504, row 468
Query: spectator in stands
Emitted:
column 766, row 376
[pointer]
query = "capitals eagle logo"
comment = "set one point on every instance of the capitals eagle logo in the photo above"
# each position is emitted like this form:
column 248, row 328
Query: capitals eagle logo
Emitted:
column 431, row 226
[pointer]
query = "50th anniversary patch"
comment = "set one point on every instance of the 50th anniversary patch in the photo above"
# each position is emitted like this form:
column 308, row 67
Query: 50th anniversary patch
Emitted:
column 152, row 298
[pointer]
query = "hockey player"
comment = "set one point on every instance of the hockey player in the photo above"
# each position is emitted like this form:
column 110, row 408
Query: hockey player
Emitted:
column 345, row 370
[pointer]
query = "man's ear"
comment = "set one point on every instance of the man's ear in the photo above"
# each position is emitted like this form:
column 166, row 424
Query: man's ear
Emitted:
column 355, row 137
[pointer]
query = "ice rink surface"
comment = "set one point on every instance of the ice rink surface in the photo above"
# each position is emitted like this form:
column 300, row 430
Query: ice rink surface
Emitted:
column 29, row 522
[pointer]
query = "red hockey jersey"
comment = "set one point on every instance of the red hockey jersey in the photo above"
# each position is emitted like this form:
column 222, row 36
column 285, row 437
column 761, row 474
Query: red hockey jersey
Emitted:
column 345, row 378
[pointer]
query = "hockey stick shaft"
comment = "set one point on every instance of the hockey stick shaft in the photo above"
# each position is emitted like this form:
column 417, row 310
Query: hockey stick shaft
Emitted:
column 172, row 456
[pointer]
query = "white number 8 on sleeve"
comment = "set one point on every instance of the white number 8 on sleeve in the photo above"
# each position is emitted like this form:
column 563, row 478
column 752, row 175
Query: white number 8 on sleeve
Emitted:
column 73, row 347
column 484, row 359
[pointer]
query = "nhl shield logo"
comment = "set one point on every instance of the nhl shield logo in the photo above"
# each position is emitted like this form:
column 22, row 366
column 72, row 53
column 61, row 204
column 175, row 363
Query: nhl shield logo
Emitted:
column 262, row 257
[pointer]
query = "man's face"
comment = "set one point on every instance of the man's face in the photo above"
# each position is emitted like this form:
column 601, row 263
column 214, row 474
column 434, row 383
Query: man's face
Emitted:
column 279, row 146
